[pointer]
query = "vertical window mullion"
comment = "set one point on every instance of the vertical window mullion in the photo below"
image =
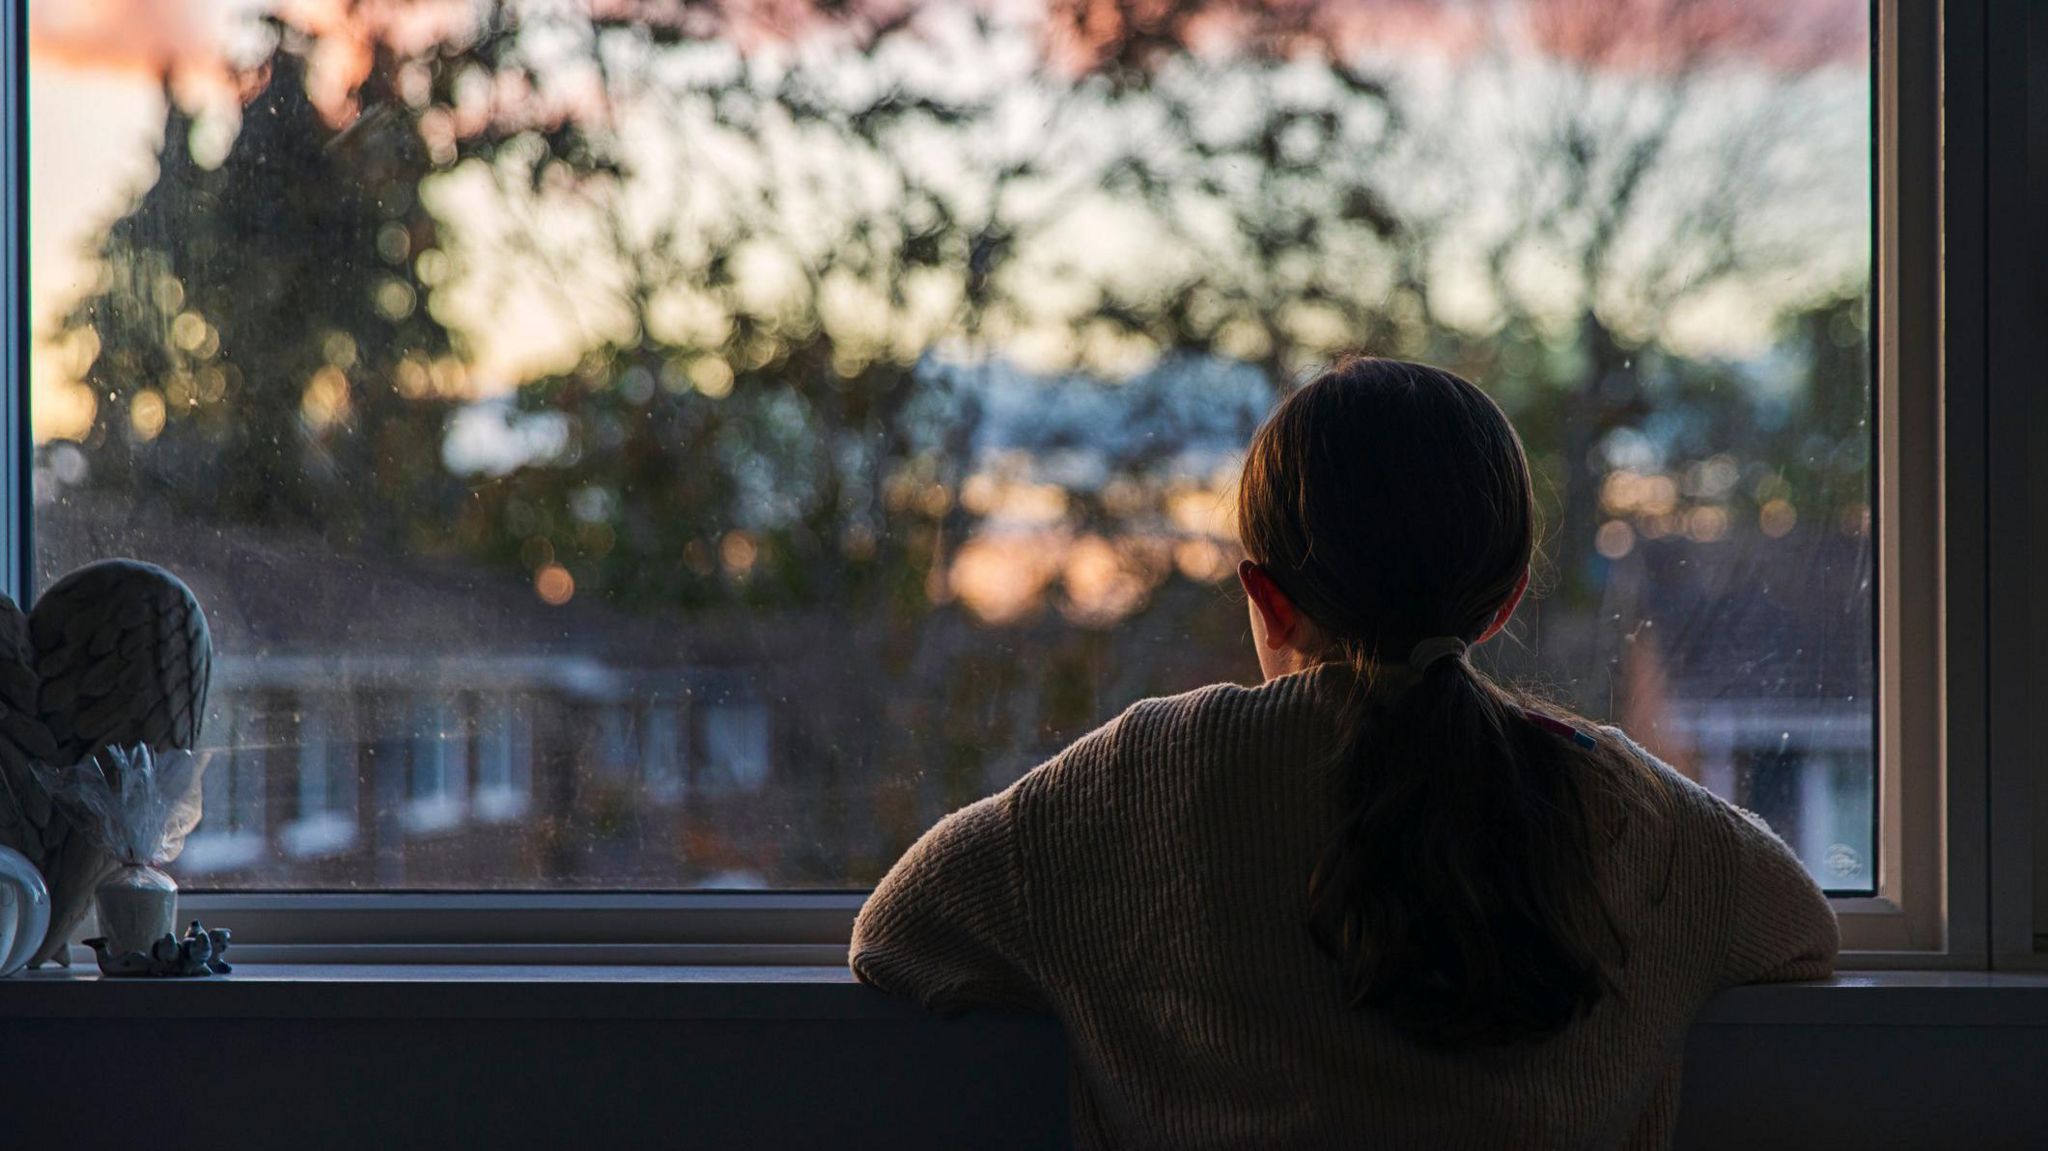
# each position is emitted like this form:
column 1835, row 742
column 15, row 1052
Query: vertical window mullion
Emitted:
column 16, row 448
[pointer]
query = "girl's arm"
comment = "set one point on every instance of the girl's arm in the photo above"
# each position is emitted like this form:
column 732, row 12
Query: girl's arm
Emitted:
column 947, row 926
column 1783, row 929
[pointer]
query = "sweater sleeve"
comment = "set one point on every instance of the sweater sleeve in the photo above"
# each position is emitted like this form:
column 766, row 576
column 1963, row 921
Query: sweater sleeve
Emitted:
column 1783, row 928
column 946, row 927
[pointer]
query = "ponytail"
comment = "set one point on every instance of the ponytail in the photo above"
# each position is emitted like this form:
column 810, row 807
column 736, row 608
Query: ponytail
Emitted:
column 1455, row 893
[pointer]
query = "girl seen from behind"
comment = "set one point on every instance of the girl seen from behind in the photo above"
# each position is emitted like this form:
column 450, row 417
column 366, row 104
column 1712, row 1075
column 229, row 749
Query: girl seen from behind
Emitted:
column 1379, row 898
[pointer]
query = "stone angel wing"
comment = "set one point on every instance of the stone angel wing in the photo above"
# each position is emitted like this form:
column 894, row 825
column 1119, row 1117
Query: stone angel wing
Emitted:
column 117, row 652
column 29, row 823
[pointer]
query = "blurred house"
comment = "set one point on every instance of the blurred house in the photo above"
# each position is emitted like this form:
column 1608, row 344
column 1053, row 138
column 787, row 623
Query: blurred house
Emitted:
column 392, row 723
column 1748, row 663
column 385, row 721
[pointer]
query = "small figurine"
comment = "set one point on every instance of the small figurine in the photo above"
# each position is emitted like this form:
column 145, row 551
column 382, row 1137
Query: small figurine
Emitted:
column 198, row 953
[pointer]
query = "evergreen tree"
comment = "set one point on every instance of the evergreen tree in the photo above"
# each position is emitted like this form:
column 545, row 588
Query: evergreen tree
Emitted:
column 265, row 355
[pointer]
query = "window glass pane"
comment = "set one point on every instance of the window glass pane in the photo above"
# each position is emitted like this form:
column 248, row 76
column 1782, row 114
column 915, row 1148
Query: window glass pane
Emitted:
column 682, row 449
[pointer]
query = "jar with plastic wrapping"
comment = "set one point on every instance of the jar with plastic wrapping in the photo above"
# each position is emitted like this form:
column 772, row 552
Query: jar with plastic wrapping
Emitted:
column 137, row 805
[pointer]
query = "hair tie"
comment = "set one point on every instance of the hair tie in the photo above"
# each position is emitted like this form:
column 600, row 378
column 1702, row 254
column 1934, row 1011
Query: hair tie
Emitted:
column 1557, row 726
column 1423, row 654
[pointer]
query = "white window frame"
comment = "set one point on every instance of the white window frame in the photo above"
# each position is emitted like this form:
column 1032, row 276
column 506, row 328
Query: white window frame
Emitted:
column 1943, row 190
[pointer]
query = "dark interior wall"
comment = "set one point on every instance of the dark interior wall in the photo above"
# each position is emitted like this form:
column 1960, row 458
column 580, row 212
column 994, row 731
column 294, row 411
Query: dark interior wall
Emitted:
column 364, row 1084
column 1865, row 1086
column 978, row 1082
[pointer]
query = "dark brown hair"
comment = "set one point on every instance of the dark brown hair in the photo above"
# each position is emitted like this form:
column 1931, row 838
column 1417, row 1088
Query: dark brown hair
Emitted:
column 1392, row 503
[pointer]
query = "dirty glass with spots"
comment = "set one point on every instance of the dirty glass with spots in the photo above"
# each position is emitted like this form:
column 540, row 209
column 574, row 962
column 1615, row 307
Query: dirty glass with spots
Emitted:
column 695, row 446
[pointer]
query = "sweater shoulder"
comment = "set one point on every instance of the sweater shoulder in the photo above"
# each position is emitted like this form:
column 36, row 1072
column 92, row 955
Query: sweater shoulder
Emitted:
column 1164, row 742
column 1224, row 705
column 1194, row 708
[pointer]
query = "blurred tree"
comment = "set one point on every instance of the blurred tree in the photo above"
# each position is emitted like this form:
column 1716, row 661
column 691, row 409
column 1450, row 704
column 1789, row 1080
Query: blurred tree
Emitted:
column 264, row 350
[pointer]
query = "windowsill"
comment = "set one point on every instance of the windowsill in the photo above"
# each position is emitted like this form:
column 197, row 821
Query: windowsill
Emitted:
column 426, row 991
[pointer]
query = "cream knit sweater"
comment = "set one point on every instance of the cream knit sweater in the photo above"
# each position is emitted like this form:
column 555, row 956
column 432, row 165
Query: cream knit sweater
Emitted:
column 1148, row 887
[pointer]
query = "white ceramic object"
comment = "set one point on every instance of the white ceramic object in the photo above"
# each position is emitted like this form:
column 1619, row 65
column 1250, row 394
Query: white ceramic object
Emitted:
column 138, row 906
column 24, row 910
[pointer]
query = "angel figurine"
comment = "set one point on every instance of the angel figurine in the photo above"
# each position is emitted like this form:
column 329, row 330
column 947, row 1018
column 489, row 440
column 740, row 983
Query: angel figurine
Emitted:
column 115, row 654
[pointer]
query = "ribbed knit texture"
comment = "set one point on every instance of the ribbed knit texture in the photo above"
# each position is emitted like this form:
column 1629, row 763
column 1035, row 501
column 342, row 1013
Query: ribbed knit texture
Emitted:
column 1148, row 887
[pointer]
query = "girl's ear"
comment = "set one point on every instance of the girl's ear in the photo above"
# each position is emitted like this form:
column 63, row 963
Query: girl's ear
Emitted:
column 1280, row 620
column 1507, row 610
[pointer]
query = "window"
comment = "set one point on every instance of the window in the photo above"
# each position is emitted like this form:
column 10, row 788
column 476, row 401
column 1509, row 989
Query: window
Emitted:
column 661, row 750
column 231, row 835
column 504, row 761
column 831, row 420
column 617, row 740
column 326, row 819
column 439, row 766
column 736, row 747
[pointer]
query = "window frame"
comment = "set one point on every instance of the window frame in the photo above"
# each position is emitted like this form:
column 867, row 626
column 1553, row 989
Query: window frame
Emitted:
column 1936, row 194
column 2015, row 271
